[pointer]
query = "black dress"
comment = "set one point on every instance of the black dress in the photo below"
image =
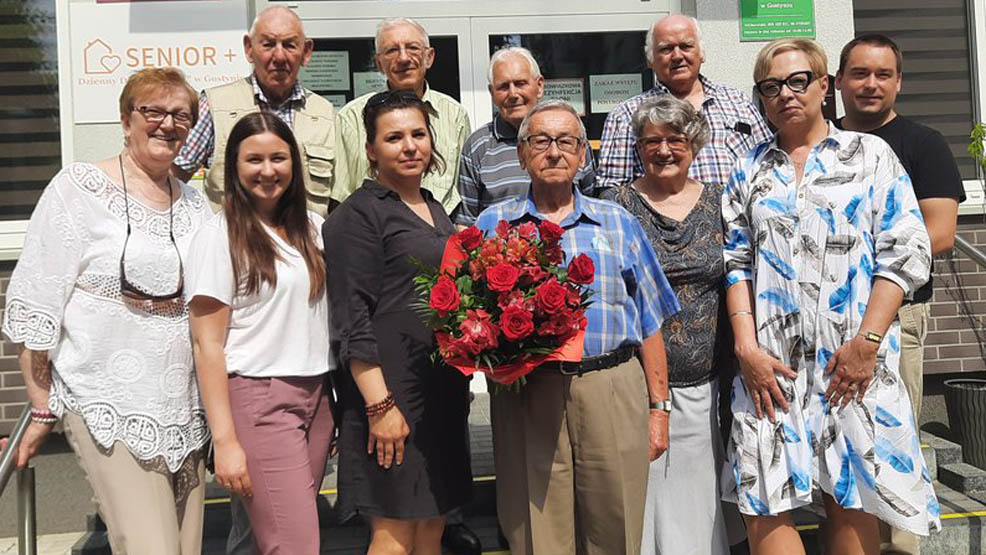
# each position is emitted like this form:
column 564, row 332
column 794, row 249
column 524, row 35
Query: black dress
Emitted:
column 369, row 244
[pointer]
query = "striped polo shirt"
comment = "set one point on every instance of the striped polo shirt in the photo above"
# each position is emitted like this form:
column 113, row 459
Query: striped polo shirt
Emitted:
column 490, row 171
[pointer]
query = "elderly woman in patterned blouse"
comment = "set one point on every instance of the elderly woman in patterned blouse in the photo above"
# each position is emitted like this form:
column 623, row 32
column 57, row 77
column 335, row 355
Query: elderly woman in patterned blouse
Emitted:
column 96, row 305
column 683, row 220
column 823, row 240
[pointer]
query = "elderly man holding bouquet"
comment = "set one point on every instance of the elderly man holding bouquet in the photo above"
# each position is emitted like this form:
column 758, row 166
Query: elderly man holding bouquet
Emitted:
column 572, row 444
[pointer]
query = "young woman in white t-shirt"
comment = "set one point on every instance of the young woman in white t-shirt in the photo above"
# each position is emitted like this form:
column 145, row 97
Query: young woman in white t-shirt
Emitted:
column 259, row 321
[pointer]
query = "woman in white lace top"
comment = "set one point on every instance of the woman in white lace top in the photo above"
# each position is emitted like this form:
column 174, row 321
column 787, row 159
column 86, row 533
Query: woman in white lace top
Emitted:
column 96, row 305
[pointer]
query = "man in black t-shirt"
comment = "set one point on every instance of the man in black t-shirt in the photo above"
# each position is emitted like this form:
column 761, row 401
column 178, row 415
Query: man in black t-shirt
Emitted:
column 869, row 77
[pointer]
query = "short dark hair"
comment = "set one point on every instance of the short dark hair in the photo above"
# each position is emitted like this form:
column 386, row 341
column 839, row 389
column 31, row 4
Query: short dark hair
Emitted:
column 388, row 101
column 871, row 39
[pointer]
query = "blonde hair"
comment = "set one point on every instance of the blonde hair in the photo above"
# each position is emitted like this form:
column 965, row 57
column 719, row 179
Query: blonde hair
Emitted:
column 154, row 79
column 817, row 59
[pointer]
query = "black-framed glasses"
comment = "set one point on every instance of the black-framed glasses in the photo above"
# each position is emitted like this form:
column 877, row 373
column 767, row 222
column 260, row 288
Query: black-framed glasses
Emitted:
column 542, row 142
column 130, row 290
column 676, row 143
column 157, row 115
column 798, row 82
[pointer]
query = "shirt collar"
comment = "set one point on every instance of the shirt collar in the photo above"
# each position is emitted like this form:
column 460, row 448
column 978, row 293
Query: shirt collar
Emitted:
column 297, row 93
column 836, row 138
column 502, row 130
column 582, row 211
column 383, row 192
column 710, row 88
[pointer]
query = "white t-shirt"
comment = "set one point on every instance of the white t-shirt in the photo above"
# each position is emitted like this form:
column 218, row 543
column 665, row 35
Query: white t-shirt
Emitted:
column 277, row 332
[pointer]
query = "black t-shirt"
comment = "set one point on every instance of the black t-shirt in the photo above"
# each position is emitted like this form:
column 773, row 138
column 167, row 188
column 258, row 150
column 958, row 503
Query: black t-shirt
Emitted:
column 925, row 155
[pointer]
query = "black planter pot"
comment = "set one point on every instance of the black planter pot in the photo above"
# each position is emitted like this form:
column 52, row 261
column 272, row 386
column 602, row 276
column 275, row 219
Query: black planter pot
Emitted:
column 965, row 401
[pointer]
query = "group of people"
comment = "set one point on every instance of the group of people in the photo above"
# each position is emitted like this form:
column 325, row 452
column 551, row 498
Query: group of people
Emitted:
column 280, row 330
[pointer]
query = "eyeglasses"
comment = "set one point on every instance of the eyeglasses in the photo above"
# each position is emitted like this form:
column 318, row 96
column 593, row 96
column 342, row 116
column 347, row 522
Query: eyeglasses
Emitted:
column 413, row 49
column 675, row 143
column 130, row 290
column 403, row 96
column 542, row 142
column 156, row 115
column 798, row 82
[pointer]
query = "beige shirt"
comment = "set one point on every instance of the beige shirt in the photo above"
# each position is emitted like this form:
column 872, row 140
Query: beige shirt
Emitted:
column 449, row 123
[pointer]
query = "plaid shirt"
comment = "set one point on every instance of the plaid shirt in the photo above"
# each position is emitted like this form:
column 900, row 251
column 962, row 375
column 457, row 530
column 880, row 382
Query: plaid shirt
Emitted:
column 201, row 141
column 724, row 107
column 631, row 297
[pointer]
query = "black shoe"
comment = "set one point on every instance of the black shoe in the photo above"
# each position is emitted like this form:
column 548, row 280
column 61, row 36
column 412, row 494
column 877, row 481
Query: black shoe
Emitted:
column 459, row 539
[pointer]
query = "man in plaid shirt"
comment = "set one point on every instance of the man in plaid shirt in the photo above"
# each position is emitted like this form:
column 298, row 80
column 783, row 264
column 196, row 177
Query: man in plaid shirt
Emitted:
column 571, row 447
column 674, row 52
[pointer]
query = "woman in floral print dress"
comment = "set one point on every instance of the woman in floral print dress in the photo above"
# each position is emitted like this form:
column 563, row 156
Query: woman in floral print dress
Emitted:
column 823, row 240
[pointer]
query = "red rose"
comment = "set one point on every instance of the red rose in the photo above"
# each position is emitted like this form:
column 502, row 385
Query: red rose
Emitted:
column 502, row 228
column 581, row 269
column 444, row 296
column 516, row 323
column 527, row 230
column 554, row 254
column 562, row 324
column 470, row 238
column 532, row 273
column 550, row 296
column 550, row 232
column 478, row 332
column 502, row 277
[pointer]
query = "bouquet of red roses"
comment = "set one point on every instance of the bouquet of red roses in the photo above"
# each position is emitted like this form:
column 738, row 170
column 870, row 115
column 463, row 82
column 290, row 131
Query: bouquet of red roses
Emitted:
column 504, row 304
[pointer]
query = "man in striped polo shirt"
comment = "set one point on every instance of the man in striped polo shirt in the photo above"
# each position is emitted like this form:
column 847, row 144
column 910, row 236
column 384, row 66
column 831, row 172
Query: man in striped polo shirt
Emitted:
column 490, row 171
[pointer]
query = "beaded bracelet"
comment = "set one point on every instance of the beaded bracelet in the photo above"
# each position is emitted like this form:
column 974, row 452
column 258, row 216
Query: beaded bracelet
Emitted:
column 381, row 407
column 39, row 416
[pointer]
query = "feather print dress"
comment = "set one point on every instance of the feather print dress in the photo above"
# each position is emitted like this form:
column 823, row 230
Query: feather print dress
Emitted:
column 812, row 251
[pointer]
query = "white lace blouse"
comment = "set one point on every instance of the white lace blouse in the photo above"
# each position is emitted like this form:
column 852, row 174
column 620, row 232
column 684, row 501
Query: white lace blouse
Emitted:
column 124, row 366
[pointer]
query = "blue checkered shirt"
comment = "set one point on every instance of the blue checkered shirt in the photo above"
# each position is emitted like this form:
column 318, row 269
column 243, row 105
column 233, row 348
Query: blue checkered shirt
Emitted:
column 201, row 141
column 631, row 297
column 724, row 107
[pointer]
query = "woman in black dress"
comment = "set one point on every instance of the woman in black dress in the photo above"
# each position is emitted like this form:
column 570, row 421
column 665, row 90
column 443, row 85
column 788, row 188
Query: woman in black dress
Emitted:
column 403, row 460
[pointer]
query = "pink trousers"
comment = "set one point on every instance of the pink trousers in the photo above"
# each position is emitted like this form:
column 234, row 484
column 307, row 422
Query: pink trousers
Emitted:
column 284, row 425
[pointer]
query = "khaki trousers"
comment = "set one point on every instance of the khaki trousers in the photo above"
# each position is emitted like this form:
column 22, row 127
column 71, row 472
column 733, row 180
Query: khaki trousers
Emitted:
column 571, row 462
column 913, row 331
column 138, row 505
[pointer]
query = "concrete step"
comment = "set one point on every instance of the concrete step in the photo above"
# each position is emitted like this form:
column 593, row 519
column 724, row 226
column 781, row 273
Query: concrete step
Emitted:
column 963, row 477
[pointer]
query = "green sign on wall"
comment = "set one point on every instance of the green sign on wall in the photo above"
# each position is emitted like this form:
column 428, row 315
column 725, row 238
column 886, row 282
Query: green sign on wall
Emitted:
column 764, row 20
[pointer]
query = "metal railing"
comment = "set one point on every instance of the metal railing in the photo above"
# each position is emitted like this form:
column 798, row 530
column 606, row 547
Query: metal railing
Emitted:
column 27, row 532
column 972, row 252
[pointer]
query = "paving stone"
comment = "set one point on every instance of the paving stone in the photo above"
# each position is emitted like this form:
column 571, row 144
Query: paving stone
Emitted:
column 963, row 477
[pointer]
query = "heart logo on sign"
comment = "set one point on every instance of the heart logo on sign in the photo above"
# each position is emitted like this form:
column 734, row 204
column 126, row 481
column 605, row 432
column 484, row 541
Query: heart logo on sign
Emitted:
column 110, row 63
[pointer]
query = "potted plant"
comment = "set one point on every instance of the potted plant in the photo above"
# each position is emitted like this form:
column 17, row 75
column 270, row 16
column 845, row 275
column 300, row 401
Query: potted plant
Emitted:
column 965, row 398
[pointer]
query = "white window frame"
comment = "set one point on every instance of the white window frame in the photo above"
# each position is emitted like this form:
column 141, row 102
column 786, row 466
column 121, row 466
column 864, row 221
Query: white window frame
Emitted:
column 975, row 202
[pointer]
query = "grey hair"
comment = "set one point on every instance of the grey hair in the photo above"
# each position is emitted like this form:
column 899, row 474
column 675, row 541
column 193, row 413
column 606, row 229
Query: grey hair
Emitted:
column 649, row 41
column 270, row 10
column 503, row 53
column 545, row 105
column 677, row 114
column 394, row 22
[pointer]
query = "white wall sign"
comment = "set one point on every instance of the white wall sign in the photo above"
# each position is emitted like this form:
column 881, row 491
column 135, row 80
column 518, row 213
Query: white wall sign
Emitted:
column 111, row 41
column 326, row 71
column 569, row 90
column 367, row 82
column 607, row 91
column 337, row 100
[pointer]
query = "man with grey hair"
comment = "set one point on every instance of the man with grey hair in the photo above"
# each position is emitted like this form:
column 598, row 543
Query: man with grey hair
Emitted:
column 490, row 171
column 674, row 51
column 403, row 55
column 277, row 47
column 571, row 447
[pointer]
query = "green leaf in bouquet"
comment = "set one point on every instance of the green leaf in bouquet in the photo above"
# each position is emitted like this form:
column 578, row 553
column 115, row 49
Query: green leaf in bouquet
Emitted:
column 464, row 284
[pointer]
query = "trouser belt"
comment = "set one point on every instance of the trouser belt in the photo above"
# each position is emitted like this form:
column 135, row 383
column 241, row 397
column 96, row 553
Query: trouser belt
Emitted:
column 591, row 364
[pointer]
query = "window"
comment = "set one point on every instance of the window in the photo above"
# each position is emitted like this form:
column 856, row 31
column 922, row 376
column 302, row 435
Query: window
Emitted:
column 938, row 89
column 30, row 151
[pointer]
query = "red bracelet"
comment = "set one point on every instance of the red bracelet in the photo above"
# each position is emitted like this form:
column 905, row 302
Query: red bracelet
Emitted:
column 381, row 407
column 43, row 416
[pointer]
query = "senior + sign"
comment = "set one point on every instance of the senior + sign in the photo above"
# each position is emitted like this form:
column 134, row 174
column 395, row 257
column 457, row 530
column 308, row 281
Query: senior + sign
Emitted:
column 109, row 42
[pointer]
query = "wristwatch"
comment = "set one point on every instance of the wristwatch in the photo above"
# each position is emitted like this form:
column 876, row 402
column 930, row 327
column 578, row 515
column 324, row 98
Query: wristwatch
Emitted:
column 664, row 405
column 871, row 336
